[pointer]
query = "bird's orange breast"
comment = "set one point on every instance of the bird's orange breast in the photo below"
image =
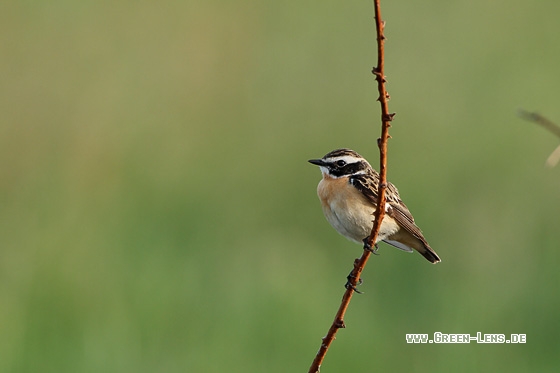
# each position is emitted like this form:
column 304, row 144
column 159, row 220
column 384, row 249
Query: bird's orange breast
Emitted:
column 345, row 207
column 339, row 192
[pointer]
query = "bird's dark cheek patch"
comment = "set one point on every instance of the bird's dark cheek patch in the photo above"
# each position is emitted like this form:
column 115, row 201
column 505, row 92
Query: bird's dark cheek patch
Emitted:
column 352, row 168
column 337, row 172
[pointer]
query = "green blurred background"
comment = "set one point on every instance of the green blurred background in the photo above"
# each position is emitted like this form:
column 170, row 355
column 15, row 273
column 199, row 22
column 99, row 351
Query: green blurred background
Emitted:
column 158, row 213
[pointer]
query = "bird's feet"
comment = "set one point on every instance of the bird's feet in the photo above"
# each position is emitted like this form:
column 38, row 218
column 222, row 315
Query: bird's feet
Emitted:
column 368, row 247
column 349, row 283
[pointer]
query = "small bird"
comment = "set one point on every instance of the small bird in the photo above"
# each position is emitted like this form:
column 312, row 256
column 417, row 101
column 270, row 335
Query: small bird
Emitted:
column 348, row 194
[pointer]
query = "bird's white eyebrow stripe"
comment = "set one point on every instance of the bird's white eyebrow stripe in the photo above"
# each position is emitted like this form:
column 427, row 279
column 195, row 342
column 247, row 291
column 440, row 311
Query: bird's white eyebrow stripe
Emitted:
column 346, row 158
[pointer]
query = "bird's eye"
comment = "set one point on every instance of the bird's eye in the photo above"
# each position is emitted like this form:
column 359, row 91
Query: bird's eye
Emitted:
column 341, row 163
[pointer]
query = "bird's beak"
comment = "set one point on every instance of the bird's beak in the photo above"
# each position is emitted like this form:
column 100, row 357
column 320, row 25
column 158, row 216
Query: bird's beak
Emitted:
column 318, row 162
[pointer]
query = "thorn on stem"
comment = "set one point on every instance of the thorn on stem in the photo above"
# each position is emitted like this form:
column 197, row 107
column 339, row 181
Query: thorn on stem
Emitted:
column 388, row 117
column 378, row 76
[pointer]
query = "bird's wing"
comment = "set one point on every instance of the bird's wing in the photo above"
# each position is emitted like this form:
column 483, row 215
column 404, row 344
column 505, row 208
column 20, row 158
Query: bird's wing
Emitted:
column 395, row 208
column 403, row 217
column 368, row 184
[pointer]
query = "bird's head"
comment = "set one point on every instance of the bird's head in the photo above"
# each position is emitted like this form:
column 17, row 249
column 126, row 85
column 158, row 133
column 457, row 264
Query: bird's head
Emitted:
column 341, row 163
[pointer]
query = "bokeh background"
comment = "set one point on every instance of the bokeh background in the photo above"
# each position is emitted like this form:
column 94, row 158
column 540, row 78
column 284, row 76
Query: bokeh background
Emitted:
column 158, row 213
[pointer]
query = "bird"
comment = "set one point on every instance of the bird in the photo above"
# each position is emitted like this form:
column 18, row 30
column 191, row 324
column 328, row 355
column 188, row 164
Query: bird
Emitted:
column 348, row 194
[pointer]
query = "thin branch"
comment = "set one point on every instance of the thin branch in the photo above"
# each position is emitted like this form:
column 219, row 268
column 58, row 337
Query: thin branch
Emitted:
column 553, row 158
column 539, row 119
column 549, row 125
column 386, row 118
column 359, row 264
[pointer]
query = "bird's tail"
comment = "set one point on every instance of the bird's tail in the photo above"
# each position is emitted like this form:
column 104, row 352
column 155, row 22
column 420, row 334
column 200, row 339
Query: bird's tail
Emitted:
column 431, row 256
column 428, row 253
column 417, row 244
